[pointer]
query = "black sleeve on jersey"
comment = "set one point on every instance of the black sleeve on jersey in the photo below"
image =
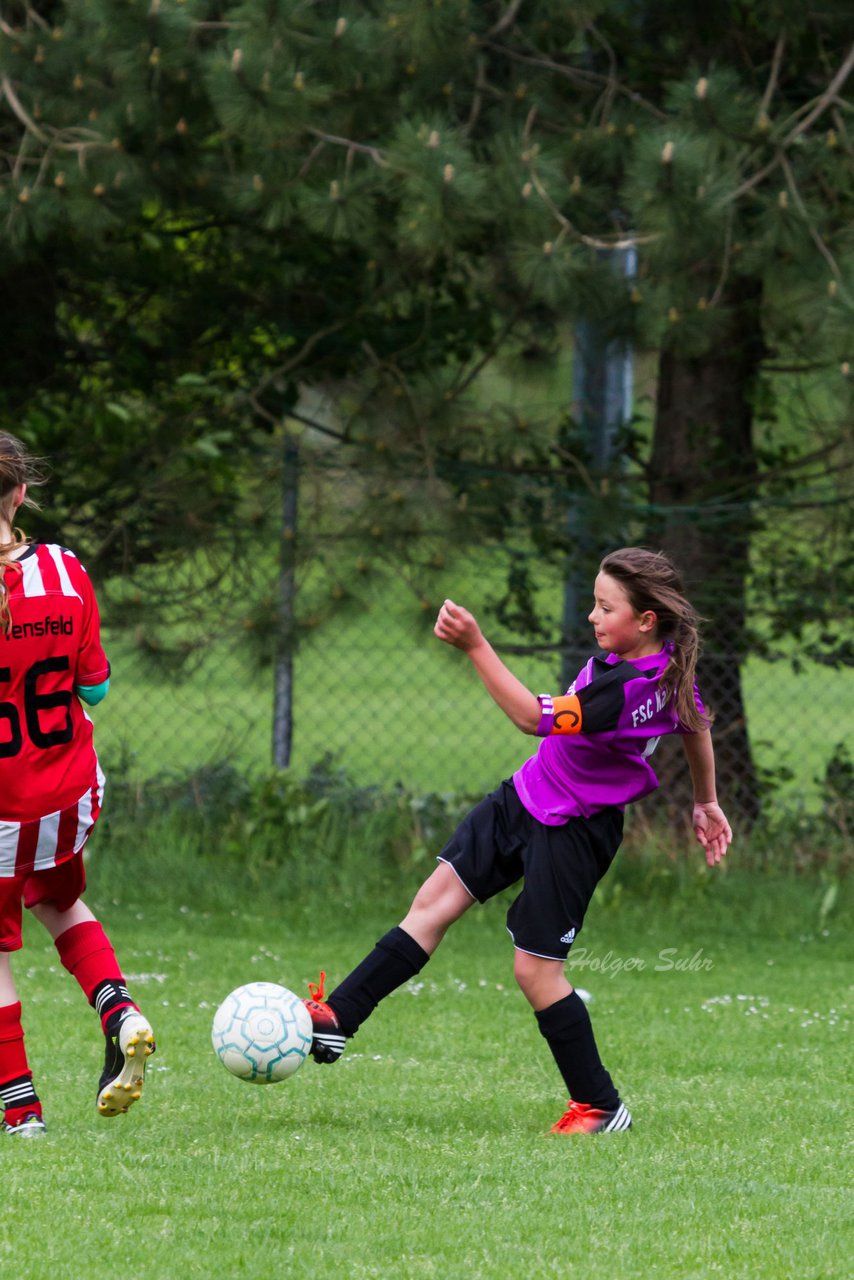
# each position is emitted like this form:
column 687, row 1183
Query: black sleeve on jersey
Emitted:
column 602, row 700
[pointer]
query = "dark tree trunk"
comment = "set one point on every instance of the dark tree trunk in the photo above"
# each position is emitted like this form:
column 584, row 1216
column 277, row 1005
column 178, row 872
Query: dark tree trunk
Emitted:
column 30, row 345
column 703, row 473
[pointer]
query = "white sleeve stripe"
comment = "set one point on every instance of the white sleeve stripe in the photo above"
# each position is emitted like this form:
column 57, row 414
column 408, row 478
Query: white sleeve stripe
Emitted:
column 32, row 580
column 64, row 580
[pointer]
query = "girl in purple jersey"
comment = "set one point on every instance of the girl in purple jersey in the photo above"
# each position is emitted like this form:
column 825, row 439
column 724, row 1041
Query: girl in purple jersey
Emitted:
column 557, row 824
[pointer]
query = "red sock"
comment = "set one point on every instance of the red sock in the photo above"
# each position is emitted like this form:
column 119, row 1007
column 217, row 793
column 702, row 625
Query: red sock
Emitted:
column 87, row 954
column 16, row 1082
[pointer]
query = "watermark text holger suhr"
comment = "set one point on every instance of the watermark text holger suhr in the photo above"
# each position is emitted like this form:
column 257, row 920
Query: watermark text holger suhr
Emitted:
column 668, row 960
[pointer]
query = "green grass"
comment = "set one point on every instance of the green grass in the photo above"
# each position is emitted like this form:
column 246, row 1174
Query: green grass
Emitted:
column 424, row 1152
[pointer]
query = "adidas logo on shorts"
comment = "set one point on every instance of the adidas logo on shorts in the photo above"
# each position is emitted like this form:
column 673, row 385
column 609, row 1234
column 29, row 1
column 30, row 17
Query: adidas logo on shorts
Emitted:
column 569, row 938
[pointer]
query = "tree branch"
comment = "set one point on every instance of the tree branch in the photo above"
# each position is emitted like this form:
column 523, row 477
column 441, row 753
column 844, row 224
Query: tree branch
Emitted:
column 504, row 332
column 817, row 239
column 53, row 137
column 612, row 85
column 725, row 264
column 588, row 79
column 374, row 152
column 771, row 87
column 282, row 371
column 753, row 181
column 825, row 99
column 507, row 18
column 310, row 159
column 619, row 241
column 814, row 110
column 26, row 120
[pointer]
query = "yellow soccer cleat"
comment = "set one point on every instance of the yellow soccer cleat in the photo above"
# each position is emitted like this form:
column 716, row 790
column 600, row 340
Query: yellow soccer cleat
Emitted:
column 129, row 1046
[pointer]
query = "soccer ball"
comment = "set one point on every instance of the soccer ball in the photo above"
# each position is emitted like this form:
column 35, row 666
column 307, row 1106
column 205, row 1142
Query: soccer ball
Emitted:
column 262, row 1033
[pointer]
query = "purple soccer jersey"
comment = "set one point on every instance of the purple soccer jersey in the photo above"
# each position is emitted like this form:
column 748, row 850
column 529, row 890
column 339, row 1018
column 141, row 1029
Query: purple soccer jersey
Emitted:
column 600, row 738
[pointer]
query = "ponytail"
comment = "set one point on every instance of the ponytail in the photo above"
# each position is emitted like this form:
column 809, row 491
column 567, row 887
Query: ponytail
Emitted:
column 17, row 467
column 651, row 583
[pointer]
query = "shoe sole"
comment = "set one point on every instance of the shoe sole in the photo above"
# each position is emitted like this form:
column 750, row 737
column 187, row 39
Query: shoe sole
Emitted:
column 327, row 1047
column 136, row 1041
column 26, row 1132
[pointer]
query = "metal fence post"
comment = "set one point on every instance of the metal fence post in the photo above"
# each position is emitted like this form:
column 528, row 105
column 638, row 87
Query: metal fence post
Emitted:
column 602, row 388
column 283, row 695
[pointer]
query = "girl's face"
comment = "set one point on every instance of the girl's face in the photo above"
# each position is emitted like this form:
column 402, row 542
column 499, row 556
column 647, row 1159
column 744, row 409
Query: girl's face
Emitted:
column 616, row 625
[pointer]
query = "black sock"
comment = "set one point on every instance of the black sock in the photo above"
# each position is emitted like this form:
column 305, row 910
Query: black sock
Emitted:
column 394, row 960
column 568, row 1031
column 18, row 1094
column 109, row 995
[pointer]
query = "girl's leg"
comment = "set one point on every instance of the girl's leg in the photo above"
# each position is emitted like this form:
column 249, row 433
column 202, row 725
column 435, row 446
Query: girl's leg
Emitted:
column 87, row 954
column 398, row 956
column 440, row 901
column 565, row 1023
column 17, row 1094
column 57, row 922
column 8, row 990
column 543, row 982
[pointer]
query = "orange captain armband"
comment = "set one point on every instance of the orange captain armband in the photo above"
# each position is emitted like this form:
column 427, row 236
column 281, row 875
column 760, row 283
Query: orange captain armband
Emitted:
column 558, row 715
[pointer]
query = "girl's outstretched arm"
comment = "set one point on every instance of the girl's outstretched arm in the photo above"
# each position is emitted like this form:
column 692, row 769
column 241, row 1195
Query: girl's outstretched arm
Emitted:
column 708, row 818
column 458, row 627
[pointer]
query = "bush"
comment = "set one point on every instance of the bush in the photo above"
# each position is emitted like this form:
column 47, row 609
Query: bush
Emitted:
column 278, row 833
column 217, row 835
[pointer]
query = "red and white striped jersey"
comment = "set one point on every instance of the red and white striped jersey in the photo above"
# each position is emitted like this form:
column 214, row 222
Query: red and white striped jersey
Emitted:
column 52, row 643
column 54, row 838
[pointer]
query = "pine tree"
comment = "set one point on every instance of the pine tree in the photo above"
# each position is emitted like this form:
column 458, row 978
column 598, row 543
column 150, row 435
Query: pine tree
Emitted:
column 212, row 211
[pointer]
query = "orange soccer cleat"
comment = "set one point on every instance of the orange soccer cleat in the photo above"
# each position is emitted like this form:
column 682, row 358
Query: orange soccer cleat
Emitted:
column 328, row 1039
column 581, row 1118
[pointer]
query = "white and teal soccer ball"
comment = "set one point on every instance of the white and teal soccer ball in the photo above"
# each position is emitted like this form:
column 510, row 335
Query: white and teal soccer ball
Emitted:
column 262, row 1033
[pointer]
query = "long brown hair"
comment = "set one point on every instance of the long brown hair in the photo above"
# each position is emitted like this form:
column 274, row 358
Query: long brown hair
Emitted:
column 651, row 582
column 17, row 466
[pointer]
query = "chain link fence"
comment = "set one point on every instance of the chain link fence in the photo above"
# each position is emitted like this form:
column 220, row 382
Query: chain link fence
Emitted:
column 378, row 698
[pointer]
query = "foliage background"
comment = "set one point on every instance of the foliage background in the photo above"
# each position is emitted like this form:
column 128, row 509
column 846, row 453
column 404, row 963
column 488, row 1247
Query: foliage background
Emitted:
column 288, row 296
column 292, row 290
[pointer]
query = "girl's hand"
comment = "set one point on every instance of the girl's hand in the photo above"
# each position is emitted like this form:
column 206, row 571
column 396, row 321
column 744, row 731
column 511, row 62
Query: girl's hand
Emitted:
column 712, row 830
column 458, row 627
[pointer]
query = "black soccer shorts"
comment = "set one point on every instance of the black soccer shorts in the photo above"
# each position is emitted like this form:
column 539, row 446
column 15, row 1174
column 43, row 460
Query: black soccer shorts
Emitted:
column 500, row 842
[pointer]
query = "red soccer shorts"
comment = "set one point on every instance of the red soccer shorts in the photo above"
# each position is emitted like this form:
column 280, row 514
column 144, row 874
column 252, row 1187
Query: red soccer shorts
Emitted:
column 43, row 862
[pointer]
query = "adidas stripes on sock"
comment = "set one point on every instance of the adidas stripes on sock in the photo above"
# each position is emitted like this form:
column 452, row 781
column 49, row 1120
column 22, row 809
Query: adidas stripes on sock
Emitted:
column 19, row 1099
column 87, row 953
column 109, row 999
column 395, row 959
column 568, row 1032
column 16, row 1083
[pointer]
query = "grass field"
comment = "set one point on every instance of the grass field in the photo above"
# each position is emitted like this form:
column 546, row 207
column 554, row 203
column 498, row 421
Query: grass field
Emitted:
column 424, row 1153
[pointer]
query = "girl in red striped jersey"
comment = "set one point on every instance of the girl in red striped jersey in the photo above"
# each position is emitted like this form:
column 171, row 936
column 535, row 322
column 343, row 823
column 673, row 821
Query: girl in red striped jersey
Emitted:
column 51, row 787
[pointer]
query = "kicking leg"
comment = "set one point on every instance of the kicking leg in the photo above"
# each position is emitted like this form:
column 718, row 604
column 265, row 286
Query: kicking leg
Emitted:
column 397, row 957
column 87, row 953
